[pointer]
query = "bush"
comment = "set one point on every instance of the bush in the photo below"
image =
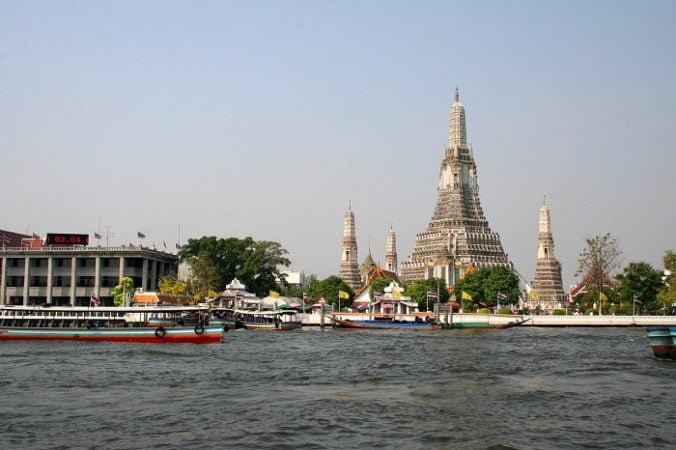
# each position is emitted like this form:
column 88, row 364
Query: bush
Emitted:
column 505, row 310
column 484, row 311
column 559, row 312
column 588, row 311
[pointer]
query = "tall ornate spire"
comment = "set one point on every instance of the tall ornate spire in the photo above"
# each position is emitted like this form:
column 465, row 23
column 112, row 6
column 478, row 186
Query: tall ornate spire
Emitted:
column 458, row 236
column 457, row 130
column 391, row 251
column 349, row 266
column 547, row 281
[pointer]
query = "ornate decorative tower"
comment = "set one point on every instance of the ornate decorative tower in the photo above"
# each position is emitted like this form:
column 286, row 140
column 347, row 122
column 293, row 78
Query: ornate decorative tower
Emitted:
column 367, row 267
column 391, row 252
column 349, row 267
column 547, row 283
column 458, row 237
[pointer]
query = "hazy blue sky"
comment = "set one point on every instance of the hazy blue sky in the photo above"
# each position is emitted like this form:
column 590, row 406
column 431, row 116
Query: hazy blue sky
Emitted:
column 264, row 118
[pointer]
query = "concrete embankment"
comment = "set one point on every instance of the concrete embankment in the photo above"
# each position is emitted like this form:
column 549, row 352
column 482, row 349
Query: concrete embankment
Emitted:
column 499, row 320
column 504, row 320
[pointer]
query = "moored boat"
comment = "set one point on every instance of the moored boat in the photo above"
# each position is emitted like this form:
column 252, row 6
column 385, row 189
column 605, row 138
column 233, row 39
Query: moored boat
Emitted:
column 270, row 320
column 384, row 323
column 662, row 341
column 158, row 324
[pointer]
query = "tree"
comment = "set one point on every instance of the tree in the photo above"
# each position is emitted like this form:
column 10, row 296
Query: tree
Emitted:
column 419, row 289
column 328, row 289
column 256, row 264
column 599, row 258
column 173, row 285
column 666, row 298
column 484, row 284
column 640, row 279
column 202, row 280
column 501, row 280
column 260, row 270
column 122, row 292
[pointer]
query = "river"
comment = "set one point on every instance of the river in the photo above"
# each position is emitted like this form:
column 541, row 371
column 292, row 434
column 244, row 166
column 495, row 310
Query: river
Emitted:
column 520, row 388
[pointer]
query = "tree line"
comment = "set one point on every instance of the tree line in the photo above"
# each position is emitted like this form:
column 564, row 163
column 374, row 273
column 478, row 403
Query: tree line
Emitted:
column 214, row 262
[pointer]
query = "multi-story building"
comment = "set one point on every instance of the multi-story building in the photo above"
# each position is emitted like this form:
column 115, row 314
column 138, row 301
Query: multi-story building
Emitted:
column 72, row 275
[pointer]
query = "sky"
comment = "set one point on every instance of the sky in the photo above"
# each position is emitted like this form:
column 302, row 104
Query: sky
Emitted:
column 183, row 119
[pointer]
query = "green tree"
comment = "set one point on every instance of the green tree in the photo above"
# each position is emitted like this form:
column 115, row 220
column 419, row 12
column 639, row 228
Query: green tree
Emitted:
column 123, row 292
column 666, row 298
column 473, row 284
column 419, row 289
column 640, row 279
column 256, row 264
column 261, row 268
column 328, row 289
column 378, row 286
column 504, row 281
column 484, row 284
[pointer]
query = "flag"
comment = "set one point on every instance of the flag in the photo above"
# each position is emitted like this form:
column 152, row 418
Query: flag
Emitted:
column 602, row 297
column 466, row 296
column 306, row 296
column 396, row 295
column 97, row 236
column 273, row 294
column 431, row 294
column 239, row 294
column 378, row 296
column 94, row 301
column 178, row 246
column 165, row 244
column 502, row 296
column 535, row 295
column 637, row 300
column 140, row 235
column 344, row 295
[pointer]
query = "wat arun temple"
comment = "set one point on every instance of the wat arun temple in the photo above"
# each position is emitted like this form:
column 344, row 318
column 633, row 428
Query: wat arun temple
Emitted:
column 458, row 239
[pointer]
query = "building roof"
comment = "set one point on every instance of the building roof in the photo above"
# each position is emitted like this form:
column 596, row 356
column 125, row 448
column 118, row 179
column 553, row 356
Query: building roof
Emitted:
column 10, row 239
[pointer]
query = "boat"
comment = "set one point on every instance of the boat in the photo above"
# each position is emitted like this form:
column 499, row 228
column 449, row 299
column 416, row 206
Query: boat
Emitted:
column 263, row 319
column 384, row 323
column 154, row 324
column 662, row 341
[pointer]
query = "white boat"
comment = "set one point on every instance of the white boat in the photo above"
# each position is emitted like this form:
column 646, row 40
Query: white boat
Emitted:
column 270, row 320
column 152, row 324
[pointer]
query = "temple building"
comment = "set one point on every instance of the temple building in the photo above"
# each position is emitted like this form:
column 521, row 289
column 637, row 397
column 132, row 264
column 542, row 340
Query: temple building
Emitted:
column 458, row 237
column 547, row 287
column 349, row 265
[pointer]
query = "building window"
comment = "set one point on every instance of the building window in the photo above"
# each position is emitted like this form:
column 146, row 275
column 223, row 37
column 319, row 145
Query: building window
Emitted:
column 14, row 281
column 85, row 282
column 14, row 262
column 109, row 281
column 38, row 281
column 60, row 281
column 59, row 262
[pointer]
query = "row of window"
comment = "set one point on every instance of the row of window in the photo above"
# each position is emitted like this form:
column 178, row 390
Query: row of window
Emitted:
column 61, row 281
column 59, row 301
column 82, row 262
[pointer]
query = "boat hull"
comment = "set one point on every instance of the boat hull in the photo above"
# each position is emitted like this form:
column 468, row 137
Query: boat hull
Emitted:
column 662, row 341
column 383, row 324
column 149, row 335
column 284, row 326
